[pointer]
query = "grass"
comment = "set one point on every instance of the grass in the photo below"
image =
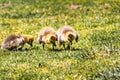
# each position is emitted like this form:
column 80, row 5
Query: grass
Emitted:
column 94, row 57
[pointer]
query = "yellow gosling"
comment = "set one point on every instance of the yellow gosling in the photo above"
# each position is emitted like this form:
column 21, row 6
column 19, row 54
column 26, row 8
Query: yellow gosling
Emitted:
column 47, row 35
column 67, row 34
column 16, row 41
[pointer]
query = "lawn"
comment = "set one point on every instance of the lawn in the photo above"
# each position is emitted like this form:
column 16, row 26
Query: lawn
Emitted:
column 96, row 56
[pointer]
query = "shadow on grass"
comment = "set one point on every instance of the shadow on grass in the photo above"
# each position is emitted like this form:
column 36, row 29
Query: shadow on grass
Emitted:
column 58, row 50
column 24, row 49
column 75, row 49
column 49, row 49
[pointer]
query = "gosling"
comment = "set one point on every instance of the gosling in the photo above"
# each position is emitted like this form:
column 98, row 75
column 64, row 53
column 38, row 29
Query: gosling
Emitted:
column 16, row 41
column 47, row 35
column 66, row 34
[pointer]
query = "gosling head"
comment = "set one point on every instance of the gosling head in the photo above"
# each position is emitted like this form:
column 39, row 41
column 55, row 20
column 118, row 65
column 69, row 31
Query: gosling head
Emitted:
column 52, row 38
column 28, row 39
column 70, row 36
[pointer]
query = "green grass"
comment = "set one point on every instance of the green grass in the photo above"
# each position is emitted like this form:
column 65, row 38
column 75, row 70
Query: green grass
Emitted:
column 95, row 57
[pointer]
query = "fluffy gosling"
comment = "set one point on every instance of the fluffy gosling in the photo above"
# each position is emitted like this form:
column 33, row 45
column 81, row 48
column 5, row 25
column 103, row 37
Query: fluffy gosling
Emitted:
column 15, row 41
column 66, row 34
column 47, row 35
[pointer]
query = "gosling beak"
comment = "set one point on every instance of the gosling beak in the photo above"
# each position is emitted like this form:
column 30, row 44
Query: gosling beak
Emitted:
column 31, row 45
